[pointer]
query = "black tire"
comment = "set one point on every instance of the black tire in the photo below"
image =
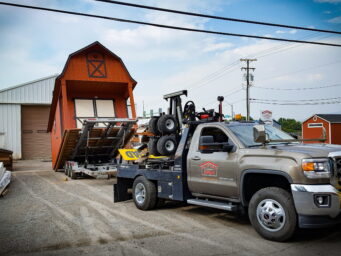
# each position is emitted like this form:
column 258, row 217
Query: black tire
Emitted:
column 278, row 200
column 152, row 147
column 152, row 127
column 147, row 200
column 73, row 174
column 167, row 145
column 167, row 124
column 66, row 169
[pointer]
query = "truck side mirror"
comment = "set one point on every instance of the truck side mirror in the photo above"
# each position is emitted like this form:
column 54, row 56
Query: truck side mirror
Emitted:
column 228, row 147
column 259, row 134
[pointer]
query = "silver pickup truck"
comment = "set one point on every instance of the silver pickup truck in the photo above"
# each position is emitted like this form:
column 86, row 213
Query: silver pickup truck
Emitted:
column 282, row 183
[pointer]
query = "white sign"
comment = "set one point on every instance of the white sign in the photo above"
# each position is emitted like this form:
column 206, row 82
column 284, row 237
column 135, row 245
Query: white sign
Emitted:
column 266, row 117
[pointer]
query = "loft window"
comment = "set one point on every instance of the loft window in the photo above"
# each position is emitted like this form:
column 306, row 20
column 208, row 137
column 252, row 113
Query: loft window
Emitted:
column 315, row 125
column 89, row 108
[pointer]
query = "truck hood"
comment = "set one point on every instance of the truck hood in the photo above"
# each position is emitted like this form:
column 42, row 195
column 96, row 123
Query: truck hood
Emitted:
column 312, row 149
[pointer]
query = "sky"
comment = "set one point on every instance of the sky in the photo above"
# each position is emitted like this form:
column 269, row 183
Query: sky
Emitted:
column 36, row 44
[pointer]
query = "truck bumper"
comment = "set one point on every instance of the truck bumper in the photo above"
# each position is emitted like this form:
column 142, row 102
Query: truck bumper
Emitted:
column 316, row 205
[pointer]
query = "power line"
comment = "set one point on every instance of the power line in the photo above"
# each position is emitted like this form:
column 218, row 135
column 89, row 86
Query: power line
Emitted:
column 297, row 89
column 298, row 104
column 167, row 26
column 213, row 76
column 227, row 95
column 218, row 17
column 312, row 100
column 222, row 71
column 300, row 70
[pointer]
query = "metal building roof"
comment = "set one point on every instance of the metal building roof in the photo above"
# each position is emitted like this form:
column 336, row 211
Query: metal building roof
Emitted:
column 35, row 92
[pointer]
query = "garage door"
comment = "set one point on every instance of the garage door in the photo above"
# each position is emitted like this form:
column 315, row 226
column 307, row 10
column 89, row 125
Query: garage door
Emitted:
column 36, row 142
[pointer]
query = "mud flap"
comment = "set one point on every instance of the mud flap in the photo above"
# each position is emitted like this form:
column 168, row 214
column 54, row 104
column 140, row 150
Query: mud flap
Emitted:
column 121, row 190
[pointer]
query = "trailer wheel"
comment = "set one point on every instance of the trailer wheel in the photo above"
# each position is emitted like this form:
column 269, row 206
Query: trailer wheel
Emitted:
column 167, row 145
column 73, row 174
column 153, row 125
column 272, row 213
column 144, row 193
column 69, row 171
column 152, row 147
column 167, row 124
column 66, row 169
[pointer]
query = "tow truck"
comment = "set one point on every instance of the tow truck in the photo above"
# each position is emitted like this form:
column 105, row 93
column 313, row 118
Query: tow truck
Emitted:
column 279, row 181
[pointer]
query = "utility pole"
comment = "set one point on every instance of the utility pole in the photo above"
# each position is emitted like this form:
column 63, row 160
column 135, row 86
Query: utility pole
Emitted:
column 247, row 68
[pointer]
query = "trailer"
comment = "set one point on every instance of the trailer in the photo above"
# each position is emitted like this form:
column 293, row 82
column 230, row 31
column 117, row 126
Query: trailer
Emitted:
column 92, row 151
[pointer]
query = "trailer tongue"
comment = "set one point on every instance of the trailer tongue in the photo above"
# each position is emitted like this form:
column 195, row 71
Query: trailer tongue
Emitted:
column 92, row 150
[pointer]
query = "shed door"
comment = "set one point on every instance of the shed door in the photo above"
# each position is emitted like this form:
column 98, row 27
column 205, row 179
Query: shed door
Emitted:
column 36, row 142
column 86, row 108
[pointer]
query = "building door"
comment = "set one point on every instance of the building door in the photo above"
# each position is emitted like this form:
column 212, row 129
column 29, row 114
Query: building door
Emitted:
column 36, row 142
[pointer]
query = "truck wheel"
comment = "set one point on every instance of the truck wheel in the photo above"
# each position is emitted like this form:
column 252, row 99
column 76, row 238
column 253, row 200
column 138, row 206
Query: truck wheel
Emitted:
column 152, row 127
column 272, row 213
column 152, row 147
column 167, row 124
column 167, row 145
column 144, row 193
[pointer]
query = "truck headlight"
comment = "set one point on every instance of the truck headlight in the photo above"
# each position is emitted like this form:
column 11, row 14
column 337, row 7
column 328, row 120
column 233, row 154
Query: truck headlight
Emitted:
column 316, row 168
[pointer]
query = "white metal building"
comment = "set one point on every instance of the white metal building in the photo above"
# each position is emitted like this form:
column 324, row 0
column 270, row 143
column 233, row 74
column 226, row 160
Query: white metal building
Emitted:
column 24, row 111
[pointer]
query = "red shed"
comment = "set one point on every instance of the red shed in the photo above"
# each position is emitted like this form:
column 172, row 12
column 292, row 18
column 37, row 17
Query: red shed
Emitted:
column 312, row 127
column 94, row 83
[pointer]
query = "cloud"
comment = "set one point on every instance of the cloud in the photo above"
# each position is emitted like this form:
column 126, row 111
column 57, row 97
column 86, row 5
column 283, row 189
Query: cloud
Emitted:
column 164, row 60
column 336, row 20
column 292, row 31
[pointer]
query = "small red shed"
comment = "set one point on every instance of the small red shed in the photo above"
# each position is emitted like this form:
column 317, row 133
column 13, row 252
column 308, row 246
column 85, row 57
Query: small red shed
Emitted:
column 93, row 83
column 312, row 128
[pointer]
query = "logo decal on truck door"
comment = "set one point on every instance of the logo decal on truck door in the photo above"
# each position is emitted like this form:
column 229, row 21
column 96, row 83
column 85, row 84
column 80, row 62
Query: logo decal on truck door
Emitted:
column 209, row 169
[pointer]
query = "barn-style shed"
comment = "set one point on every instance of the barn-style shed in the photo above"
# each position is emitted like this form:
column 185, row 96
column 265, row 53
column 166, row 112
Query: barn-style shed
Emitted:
column 313, row 128
column 94, row 83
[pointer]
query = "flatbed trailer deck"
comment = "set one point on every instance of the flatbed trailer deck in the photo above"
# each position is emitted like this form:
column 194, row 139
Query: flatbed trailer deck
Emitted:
column 92, row 150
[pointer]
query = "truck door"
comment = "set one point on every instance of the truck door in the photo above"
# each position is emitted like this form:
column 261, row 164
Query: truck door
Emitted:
column 212, row 173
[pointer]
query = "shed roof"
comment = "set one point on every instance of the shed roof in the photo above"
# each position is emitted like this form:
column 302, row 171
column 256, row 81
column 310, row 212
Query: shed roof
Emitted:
column 331, row 118
column 38, row 91
column 57, row 87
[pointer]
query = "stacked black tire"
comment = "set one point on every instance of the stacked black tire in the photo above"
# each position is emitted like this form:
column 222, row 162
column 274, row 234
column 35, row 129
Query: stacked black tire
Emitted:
column 165, row 139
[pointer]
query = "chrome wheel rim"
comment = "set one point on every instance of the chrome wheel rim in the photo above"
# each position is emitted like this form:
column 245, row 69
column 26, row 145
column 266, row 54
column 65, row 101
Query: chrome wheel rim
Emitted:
column 271, row 215
column 170, row 124
column 169, row 145
column 140, row 193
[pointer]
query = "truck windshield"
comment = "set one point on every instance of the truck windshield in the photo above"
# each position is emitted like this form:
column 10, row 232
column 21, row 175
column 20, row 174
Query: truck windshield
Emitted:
column 245, row 134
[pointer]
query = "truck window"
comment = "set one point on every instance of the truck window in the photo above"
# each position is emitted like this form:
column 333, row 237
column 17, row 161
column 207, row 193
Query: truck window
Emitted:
column 219, row 137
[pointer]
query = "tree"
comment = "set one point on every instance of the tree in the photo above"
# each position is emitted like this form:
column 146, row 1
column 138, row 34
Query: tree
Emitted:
column 290, row 125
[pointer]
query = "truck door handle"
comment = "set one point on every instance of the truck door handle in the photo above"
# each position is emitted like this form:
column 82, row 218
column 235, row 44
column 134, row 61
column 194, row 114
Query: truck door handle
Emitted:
column 196, row 158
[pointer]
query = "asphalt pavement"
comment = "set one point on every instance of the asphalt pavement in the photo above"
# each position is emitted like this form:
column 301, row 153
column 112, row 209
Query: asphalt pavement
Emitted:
column 45, row 213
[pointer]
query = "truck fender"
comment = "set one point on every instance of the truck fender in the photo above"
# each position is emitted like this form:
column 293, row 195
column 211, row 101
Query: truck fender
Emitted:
column 259, row 171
